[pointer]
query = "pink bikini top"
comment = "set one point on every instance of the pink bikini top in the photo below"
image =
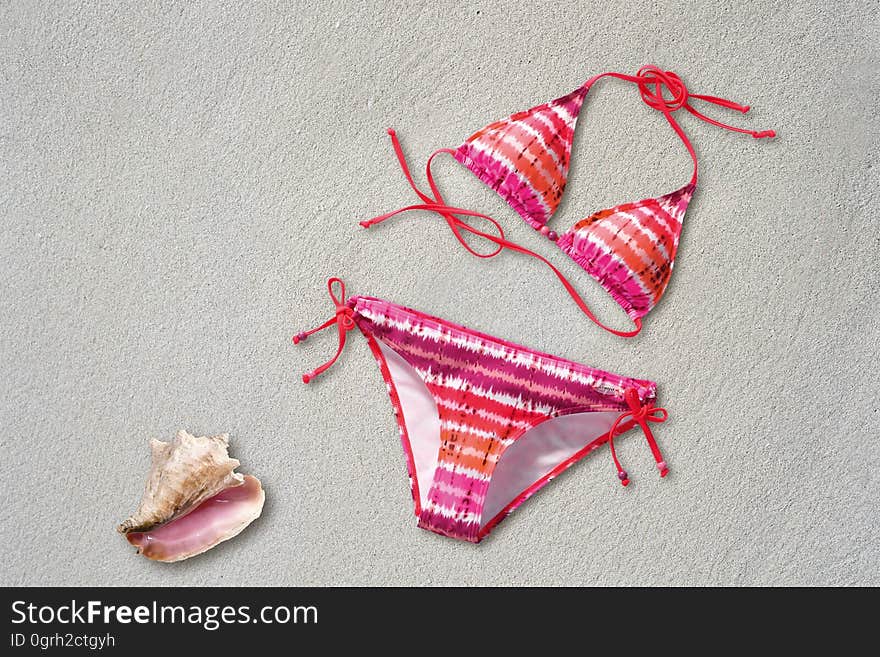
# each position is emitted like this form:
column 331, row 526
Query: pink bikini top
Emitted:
column 629, row 249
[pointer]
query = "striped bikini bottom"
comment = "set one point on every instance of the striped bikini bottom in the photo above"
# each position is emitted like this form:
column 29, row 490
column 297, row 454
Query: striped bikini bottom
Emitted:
column 486, row 423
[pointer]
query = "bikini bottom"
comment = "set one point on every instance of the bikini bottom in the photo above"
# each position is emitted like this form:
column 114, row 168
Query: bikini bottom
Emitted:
column 486, row 423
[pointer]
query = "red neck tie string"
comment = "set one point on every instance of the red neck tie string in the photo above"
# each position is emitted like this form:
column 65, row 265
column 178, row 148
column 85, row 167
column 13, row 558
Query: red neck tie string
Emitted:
column 344, row 320
column 641, row 415
column 438, row 204
column 448, row 212
column 665, row 92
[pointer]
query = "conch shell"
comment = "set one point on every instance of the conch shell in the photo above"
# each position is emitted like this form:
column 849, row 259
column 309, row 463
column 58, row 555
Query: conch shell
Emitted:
column 193, row 499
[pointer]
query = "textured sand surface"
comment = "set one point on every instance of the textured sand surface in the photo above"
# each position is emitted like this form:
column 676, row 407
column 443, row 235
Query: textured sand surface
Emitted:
column 177, row 182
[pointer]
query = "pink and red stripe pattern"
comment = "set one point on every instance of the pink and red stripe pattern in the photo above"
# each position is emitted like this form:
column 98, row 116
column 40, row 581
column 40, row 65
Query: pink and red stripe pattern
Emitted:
column 630, row 249
column 525, row 157
column 488, row 394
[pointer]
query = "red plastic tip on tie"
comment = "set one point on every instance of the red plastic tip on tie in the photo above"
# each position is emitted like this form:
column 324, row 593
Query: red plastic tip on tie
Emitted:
column 624, row 478
column 300, row 337
column 662, row 467
column 745, row 108
column 391, row 132
column 307, row 378
column 365, row 223
column 765, row 133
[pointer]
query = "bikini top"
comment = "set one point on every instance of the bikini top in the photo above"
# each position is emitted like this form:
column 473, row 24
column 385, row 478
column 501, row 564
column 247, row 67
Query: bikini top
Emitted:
column 629, row 249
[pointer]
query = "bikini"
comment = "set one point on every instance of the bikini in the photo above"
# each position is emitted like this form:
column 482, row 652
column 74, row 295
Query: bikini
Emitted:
column 629, row 249
column 486, row 423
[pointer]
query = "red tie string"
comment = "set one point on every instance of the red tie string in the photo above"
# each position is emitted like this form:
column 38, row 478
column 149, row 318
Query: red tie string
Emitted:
column 640, row 415
column 344, row 320
column 665, row 92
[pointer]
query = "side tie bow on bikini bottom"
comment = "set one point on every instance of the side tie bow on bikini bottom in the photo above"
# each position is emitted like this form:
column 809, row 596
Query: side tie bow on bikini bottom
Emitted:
column 486, row 423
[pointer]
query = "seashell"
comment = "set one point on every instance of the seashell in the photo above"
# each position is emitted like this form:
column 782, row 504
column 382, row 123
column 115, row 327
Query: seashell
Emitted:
column 193, row 499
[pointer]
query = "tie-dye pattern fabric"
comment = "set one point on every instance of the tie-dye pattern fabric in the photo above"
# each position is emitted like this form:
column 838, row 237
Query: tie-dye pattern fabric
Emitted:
column 488, row 393
column 630, row 249
column 525, row 157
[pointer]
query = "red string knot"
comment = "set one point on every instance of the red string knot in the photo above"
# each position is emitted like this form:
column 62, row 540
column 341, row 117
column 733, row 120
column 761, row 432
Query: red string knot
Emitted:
column 639, row 414
column 653, row 84
column 343, row 319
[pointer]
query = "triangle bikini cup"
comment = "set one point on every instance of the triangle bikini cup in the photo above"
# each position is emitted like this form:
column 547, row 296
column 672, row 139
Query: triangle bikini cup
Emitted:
column 629, row 249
